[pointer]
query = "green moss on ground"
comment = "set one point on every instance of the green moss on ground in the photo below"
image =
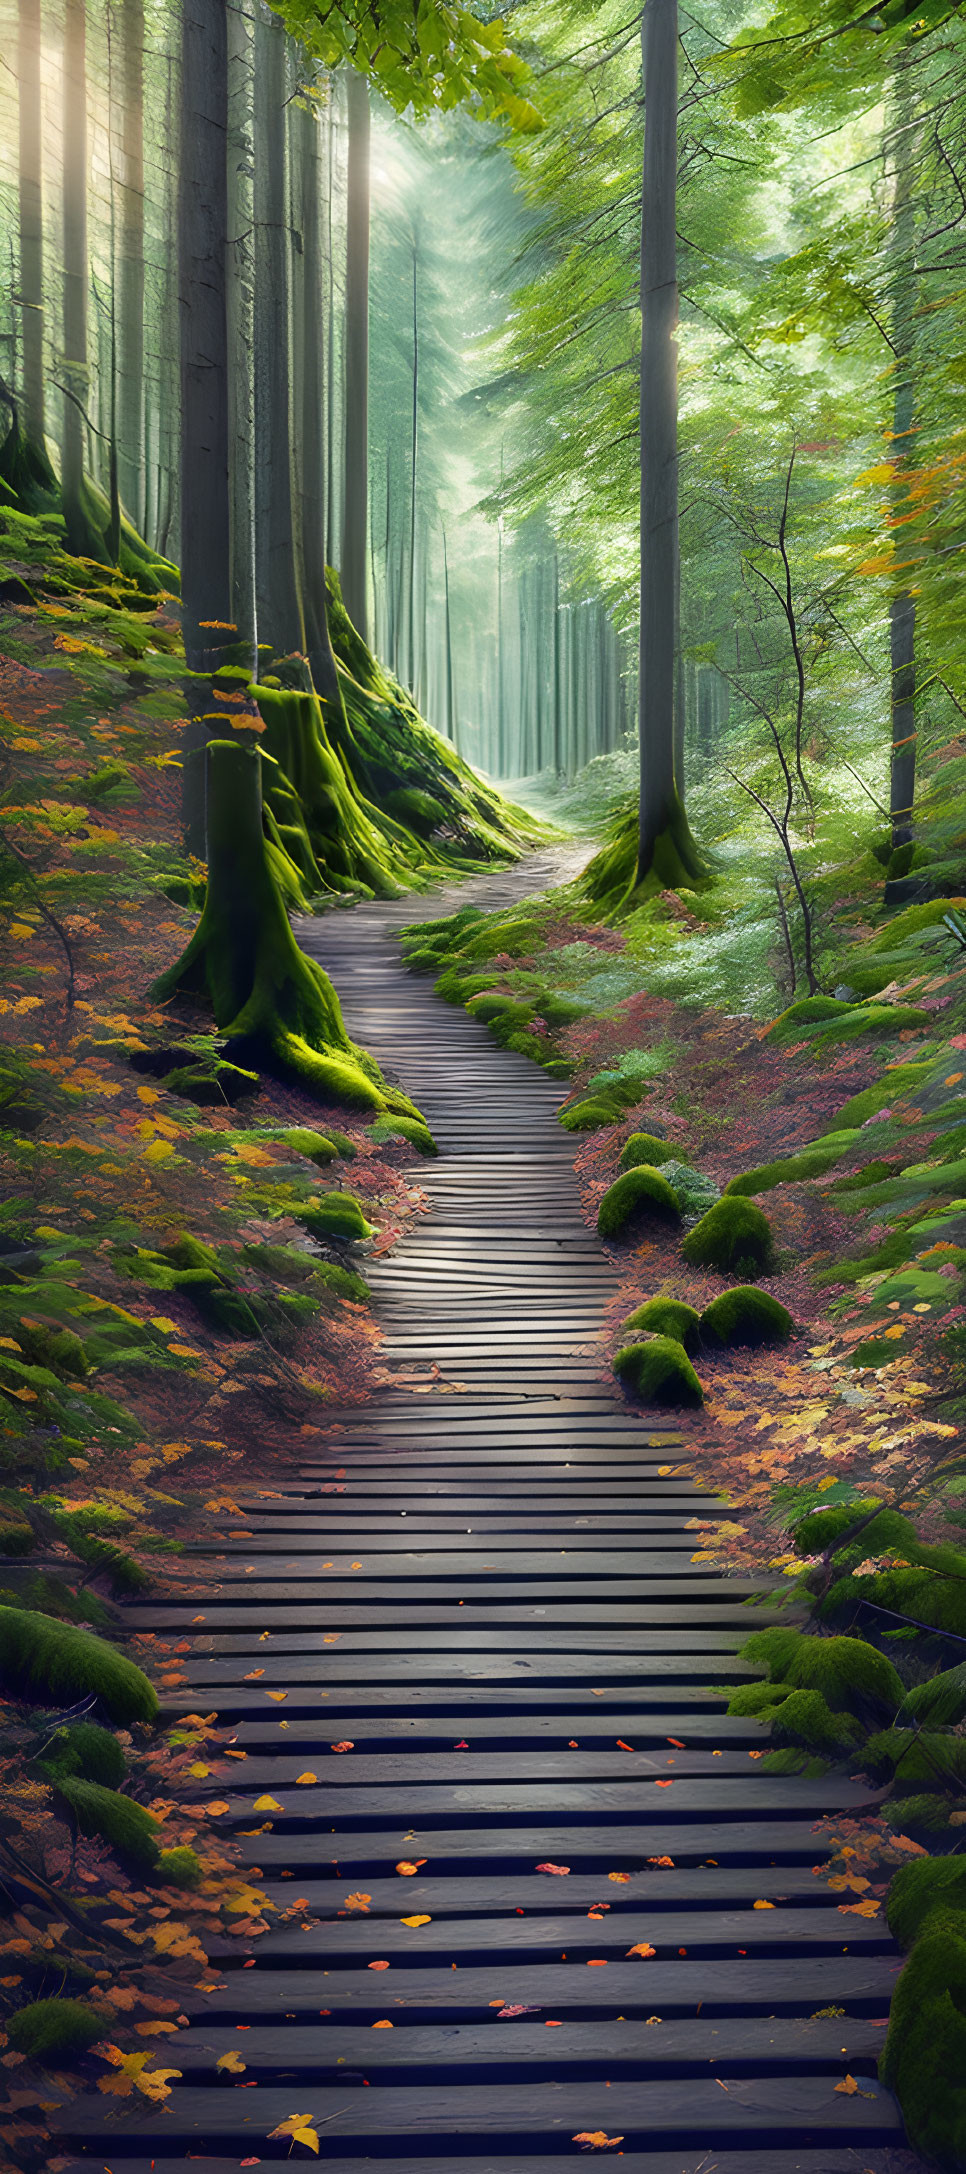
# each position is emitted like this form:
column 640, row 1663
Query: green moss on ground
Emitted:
column 103, row 1815
column 80, row 1747
column 336, row 1215
column 734, row 1237
column 587, row 1116
column 42, row 1658
column 404, row 1128
column 809, row 1162
column 645, row 1147
column 658, row 1371
column 665, row 1317
column 54, row 2032
column 747, row 1316
column 924, row 2059
column 851, row 1675
column 640, row 1196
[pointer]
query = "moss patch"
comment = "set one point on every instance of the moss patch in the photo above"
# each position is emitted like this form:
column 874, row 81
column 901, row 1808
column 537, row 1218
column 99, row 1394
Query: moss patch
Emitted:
column 54, row 2032
column 734, row 1237
column 745, row 1315
column 665, row 1317
column 336, row 1215
column 645, row 1147
column 658, row 1371
column 638, row 1197
column 42, row 1658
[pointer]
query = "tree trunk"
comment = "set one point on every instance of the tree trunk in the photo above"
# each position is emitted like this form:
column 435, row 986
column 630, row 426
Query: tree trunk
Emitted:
column 451, row 726
column 310, row 406
column 131, row 270
column 663, row 831
column 278, row 603
column 241, row 321
column 31, row 222
column 411, row 659
column 202, row 235
column 557, row 689
column 74, row 364
column 902, row 615
column 356, row 473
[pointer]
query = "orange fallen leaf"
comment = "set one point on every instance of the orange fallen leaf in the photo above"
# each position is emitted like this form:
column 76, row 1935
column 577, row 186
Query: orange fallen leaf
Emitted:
column 408, row 1866
column 764, row 1905
column 850, row 2089
column 596, row 2140
column 277, row 1696
column 621, row 1746
column 869, row 1908
column 377, row 1966
column 664, row 1785
column 643, row 1948
column 220, row 1805
column 597, row 1962
column 560, row 1870
column 383, row 2025
column 342, row 1747
column 415, row 1920
column 622, row 1876
column 358, row 1901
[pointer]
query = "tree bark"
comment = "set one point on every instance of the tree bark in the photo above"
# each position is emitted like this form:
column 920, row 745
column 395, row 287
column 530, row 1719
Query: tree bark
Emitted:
column 663, row 826
column 131, row 269
column 277, row 597
column 241, row 321
column 411, row 659
column 451, row 727
column 31, row 222
column 202, row 239
column 902, row 615
column 356, row 472
column 310, row 463
column 75, row 271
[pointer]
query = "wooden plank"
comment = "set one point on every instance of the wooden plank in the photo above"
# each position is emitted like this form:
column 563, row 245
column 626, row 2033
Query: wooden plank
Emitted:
column 830, row 2159
column 661, row 1890
column 594, row 1848
column 702, row 1797
column 424, row 1731
column 540, row 1939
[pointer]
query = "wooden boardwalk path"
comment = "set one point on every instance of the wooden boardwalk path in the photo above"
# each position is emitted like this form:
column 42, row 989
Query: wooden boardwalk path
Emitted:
column 495, row 1654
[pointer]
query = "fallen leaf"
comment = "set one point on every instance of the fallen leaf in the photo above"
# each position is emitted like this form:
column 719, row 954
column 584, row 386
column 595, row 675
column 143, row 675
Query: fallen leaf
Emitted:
column 277, row 1696
column 266, row 1804
column 383, row 2025
column 342, row 1747
column 220, row 1805
column 850, row 2089
column 642, row 1948
column 415, row 1921
column 306, row 1777
column 596, row 2140
column 407, row 1867
column 359, row 1901
column 299, row 2128
column 377, row 1966
column 560, row 1870
column 763, row 1905
column 232, row 2063
column 621, row 1876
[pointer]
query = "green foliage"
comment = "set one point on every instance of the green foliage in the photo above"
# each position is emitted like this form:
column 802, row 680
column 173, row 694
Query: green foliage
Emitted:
column 924, row 2058
column 54, row 2032
column 757, row 1698
column 640, row 1196
column 405, row 1128
column 851, row 1675
column 658, row 1371
column 666, row 1317
column 805, row 1718
column 917, row 1759
column 746, row 1315
column 41, row 1658
column 810, row 1162
column 180, row 1867
column 693, row 1191
column 939, row 1703
column 587, row 1116
column 734, row 1237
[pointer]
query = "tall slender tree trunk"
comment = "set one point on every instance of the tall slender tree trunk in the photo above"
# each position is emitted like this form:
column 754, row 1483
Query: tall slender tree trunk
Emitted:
column 241, row 320
column 202, row 233
column 356, row 473
column 411, row 660
column 167, row 538
column 131, row 268
column 75, row 271
column 330, row 475
column 662, row 822
column 902, row 615
column 31, row 221
column 451, row 726
column 277, row 599
column 557, row 687
column 310, row 460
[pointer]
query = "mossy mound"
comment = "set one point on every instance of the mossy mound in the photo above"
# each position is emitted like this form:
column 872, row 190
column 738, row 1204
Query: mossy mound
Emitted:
column 587, row 1116
column 645, row 1147
column 405, row 1128
column 810, row 1162
column 924, row 2058
column 734, row 1237
column 658, row 1371
column 55, row 2032
column 694, row 1192
column 336, row 1215
column 103, row 1815
column 302, row 1140
column 640, row 1196
column 82, row 1748
column 900, row 1080
column 827, row 1019
column 665, row 1317
column 805, row 1718
column 180, row 1867
column 746, row 1316
column 851, row 1675
column 43, row 1658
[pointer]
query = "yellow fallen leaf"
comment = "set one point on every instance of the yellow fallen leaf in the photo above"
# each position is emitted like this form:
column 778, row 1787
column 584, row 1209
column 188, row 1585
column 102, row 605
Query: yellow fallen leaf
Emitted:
column 407, row 1868
column 277, row 1696
column 359, row 1901
column 621, row 1876
column 266, row 1804
column 306, row 1777
column 384, row 2025
column 597, row 2139
column 415, row 1920
column 764, row 1905
column 299, row 2128
column 232, row 2063
column 153, row 2030
column 868, row 1908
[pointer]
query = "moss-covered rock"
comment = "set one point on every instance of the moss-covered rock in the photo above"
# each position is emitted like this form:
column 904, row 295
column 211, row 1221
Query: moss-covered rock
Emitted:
column 645, row 1147
column 810, row 1162
column 128, row 1828
column 851, row 1675
column 924, row 2058
column 747, row 1316
column 664, row 1317
column 640, row 1196
column 806, row 1718
column 43, row 1658
column 939, row 1703
column 336, row 1215
column 405, row 1128
column 757, row 1698
column 179, row 1867
column 734, row 1237
column 658, row 1370
column 80, row 1747
column 587, row 1116
column 898, row 1081
column 55, row 2031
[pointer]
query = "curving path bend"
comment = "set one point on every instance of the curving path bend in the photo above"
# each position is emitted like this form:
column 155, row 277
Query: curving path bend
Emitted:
column 489, row 1589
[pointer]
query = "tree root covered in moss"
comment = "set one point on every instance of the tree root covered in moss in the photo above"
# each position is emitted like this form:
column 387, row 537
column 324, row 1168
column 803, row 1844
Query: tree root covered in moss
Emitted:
column 612, row 882
column 276, row 1007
